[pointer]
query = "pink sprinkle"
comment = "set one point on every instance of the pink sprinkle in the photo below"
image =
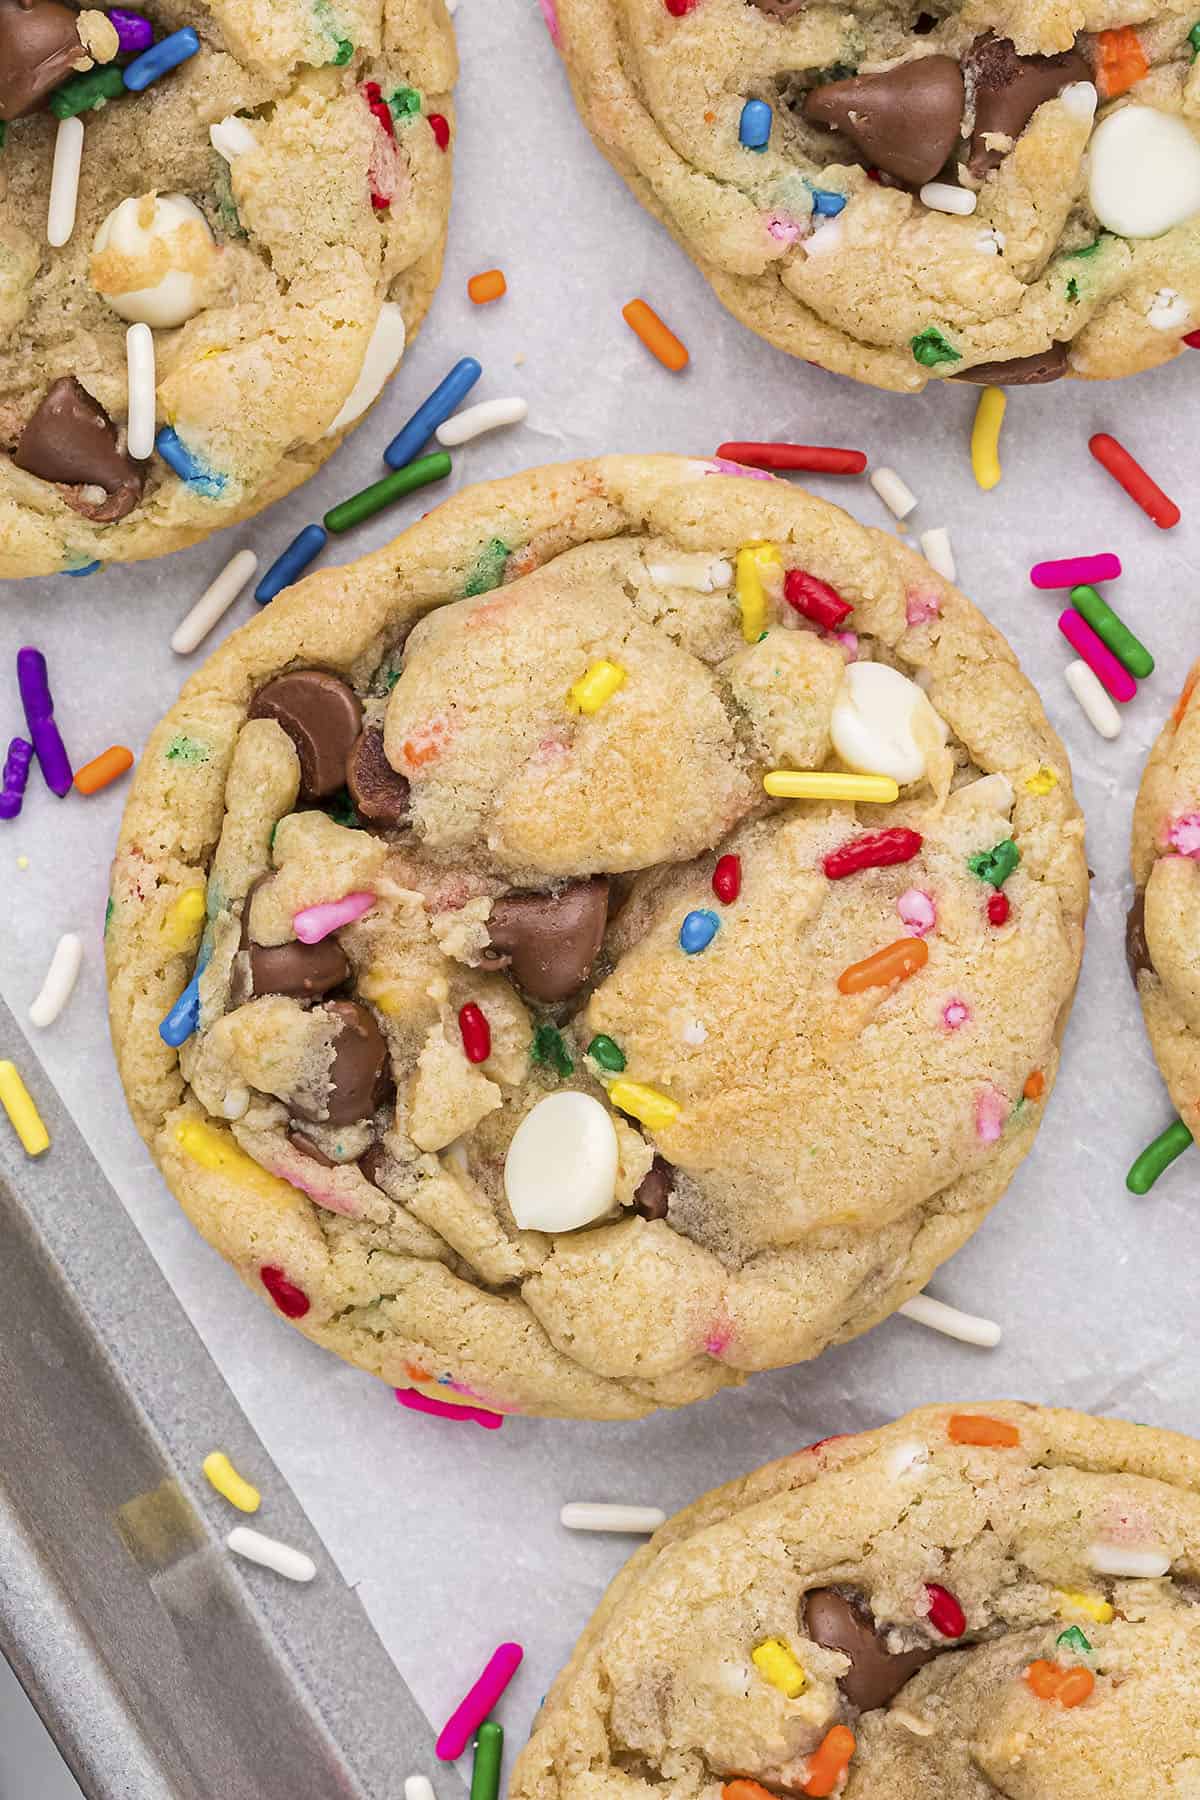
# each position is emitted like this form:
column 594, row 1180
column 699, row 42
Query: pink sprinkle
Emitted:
column 320, row 1196
column 312, row 923
column 783, row 229
column 1184, row 834
column 839, row 1437
column 917, row 911
column 719, row 466
column 717, row 1341
column 919, row 607
column 1073, row 571
column 550, row 14
column 954, row 1014
column 446, row 1409
column 849, row 643
column 991, row 1110
column 466, row 1718
column 1098, row 657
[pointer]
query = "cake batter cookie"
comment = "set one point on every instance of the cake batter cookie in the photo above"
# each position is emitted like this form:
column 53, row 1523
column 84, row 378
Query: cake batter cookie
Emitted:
column 969, row 1603
column 533, row 1044
column 272, row 206
column 1006, row 191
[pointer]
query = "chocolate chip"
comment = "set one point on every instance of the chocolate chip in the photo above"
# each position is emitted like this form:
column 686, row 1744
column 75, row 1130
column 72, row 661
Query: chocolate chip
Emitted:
column 359, row 1076
column 300, row 1140
column 655, row 1189
column 39, row 48
column 1137, row 950
column 379, row 793
column 875, row 1676
column 372, row 1162
column 1009, row 89
column 72, row 441
column 904, row 120
column 1020, row 371
column 923, row 24
column 549, row 940
column 301, row 971
column 322, row 717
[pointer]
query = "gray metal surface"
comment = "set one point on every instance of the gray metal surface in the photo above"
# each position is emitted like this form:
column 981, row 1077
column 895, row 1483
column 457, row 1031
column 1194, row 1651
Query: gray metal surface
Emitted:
column 164, row 1669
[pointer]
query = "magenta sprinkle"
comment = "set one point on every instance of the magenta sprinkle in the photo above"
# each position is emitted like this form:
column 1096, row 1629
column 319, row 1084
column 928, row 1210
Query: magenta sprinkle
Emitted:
column 16, row 774
column 470, row 1713
column 1072, row 571
column 134, row 34
column 443, row 1409
column 34, row 683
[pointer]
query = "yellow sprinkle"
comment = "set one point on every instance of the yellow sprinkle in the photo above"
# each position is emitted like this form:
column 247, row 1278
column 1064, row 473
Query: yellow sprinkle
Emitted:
column 22, row 862
column 1041, row 781
column 776, row 1664
column 808, row 784
column 217, row 1151
column 24, row 1116
column 1071, row 1600
column 645, row 1103
column 985, row 436
column 181, row 927
column 229, row 1484
column 752, row 561
column 598, row 685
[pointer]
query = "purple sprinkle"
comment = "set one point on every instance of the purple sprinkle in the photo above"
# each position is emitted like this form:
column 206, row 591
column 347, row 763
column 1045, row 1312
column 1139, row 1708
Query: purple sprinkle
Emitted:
column 16, row 774
column 133, row 32
column 34, row 683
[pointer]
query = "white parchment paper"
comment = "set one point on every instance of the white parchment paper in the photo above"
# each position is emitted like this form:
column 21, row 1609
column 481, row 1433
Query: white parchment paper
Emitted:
column 451, row 1533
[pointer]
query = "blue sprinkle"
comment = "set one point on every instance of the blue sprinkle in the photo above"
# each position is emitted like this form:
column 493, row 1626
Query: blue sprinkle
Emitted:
column 84, row 569
column 827, row 205
column 755, row 128
column 698, row 931
column 184, row 1016
column 189, row 468
column 430, row 414
column 167, row 54
column 306, row 545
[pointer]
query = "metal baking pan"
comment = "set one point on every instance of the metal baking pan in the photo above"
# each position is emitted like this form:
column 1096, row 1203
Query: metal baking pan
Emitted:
column 163, row 1668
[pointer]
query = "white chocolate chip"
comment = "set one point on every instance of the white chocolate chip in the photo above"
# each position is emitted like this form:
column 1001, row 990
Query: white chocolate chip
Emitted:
column 561, row 1168
column 1144, row 174
column 380, row 363
column 1168, row 311
column 825, row 240
column 705, row 574
column 1080, row 98
column 151, row 258
column 879, row 719
column 232, row 137
column 1137, row 1565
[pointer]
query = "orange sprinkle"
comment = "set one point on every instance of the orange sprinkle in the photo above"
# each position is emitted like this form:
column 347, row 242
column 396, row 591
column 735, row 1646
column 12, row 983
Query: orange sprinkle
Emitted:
column 1185, row 695
column 988, row 1434
column 829, row 1761
column 1035, row 1085
column 895, row 962
column 742, row 1789
column 490, row 285
column 416, row 1372
column 645, row 322
column 1066, row 1687
column 1120, row 61
column 103, row 769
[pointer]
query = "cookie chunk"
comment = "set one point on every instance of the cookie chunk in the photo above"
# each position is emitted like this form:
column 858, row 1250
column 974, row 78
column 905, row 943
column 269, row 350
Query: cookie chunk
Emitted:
column 973, row 1602
column 1004, row 193
column 612, row 982
column 264, row 188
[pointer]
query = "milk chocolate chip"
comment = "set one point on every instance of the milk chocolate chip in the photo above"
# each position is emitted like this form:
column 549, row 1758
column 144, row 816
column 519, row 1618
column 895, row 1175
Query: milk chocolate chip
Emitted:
column 1020, row 371
column 372, row 1162
column 72, row 441
column 379, row 793
column 904, row 120
column 301, row 971
column 359, row 1076
column 875, row 1676
column 39, row 48
column 655, row 1189
column 1008, row 91
column 549, row 940
column 322, row 717
column 1137, row 950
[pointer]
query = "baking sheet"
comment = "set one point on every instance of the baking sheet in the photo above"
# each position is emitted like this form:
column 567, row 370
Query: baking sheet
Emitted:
column 450, row 1533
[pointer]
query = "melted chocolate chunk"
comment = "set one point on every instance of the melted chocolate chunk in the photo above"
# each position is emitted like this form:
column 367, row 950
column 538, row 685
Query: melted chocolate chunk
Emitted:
column 1020, row 371
column 71, row 441
column 323, row 718
column 875, row 1676
column 1137, row 950
column 371, row 1162
column 780, row 9
column 379, row 793
column 1009, row 89
column 300, row 1140
column 655, row 1189
column 549, row 941
column 301, row 971
column 905, row 120
column 359, row 1076
column 39, row 48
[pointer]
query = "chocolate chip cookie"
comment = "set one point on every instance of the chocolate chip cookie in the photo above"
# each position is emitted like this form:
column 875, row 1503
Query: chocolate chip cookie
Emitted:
column 613, row 939
column 971, row 1602
column 257, row 227
column 1000, row 193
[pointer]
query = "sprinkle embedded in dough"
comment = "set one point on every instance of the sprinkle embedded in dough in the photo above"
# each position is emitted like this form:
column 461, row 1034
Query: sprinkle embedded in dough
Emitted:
column 706, row 574
column 561, row 1168
column 1168, row 311
column 944, row 196
column 1134, row 1565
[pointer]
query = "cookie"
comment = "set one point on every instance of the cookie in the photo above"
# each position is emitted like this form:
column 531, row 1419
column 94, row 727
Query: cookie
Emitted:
column 270, row 211
column 970, row 1602
column 538, row 1047
column 1003, row 193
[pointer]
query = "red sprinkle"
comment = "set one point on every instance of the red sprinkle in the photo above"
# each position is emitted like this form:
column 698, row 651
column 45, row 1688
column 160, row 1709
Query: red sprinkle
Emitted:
column 677, row 8
column 1133, row 478
column 873, row 850
column 727, row 879
column 440, row 128
column 818, row 457
column 998, row 909
column 476, row 1032
column 945, row 1614
column 292, row 1301
column 815, row 599
column 373, row 95
column 1192, row 339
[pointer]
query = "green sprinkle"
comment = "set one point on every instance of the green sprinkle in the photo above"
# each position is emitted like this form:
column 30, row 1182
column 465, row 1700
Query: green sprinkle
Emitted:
column 485, row 1770
column 1158, row 1156
column 1194, row 40
column 108, row 913
column 997, row 864
column 340, row 808
column 607, row 1053
column 1073, row 1639
column 373, row 499
column 1112, row 631
column 404, row 103
column 187, row 750
column 488, row 572
column 392, row 678
column 83, row 92
column 1088, row 249
column 1072, row 289
column 549, row 1049
column 345, row 50
column 929, row 348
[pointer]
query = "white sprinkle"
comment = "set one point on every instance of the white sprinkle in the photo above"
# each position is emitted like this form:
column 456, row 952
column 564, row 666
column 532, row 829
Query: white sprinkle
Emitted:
column 943, row 196
column 64, row 182
column 1080, row 99
column 990, row 242
column 703, row 573
column 231, row 138
column 60, row 980
column 1168, row 310
column 598, row 1515
column 214, row 602
column 1098, row 709
column 464, row 426
column 1138, row 1565
column 825, row 239
column 935, row 548
column 694, row 1031
column 268, row 1551
column 140, row 377
column 419, row 1787
column 968, row 1329
column 906, row 1456
column 896, row 494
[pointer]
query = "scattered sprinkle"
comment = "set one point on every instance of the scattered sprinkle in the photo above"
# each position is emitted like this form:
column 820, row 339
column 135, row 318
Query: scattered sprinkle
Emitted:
column 231, row 1486
column 816, row 458
column 936, row 549
column 478, row 1702
column 1099, row 659
column 216, row 600
column 33, row 682
column 488, row 415
column 1112, row 631
column 1071, row 571
column 15, row 778
column 600, row 1515
column 661, row 342
column 1098, row 709
column 1133, row 478
column 944, row 196
column 814, row 599
column 985, row 437
column 304, row 547
column 955, row 1014
column 405, row 479
column 826, row 1767
column 485, row 1770
column 895, row 493
column 23, row 1115
column 1158, row 1156
column 256, row 1547
column 60, row 981
column 922, row 1309
column 446, row 398
column 997, row 864
column 104, row 769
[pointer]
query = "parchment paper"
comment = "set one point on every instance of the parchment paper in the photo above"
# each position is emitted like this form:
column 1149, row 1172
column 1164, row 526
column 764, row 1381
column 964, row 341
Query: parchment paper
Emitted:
column 451, row 1533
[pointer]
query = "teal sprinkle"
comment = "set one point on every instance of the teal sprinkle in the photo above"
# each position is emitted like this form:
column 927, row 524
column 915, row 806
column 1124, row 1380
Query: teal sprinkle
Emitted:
column 549, row 1049
column 341, row 810
column 929, row 348
column 1072, row 289
column 393, row 676
column 1194, row 40
column 108, row 913
column 345, row 50
column 404, row 103
column 607, row 1053
column 997, row 864
column 187, row 750
column 1073, row 1639
column 488, row 572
